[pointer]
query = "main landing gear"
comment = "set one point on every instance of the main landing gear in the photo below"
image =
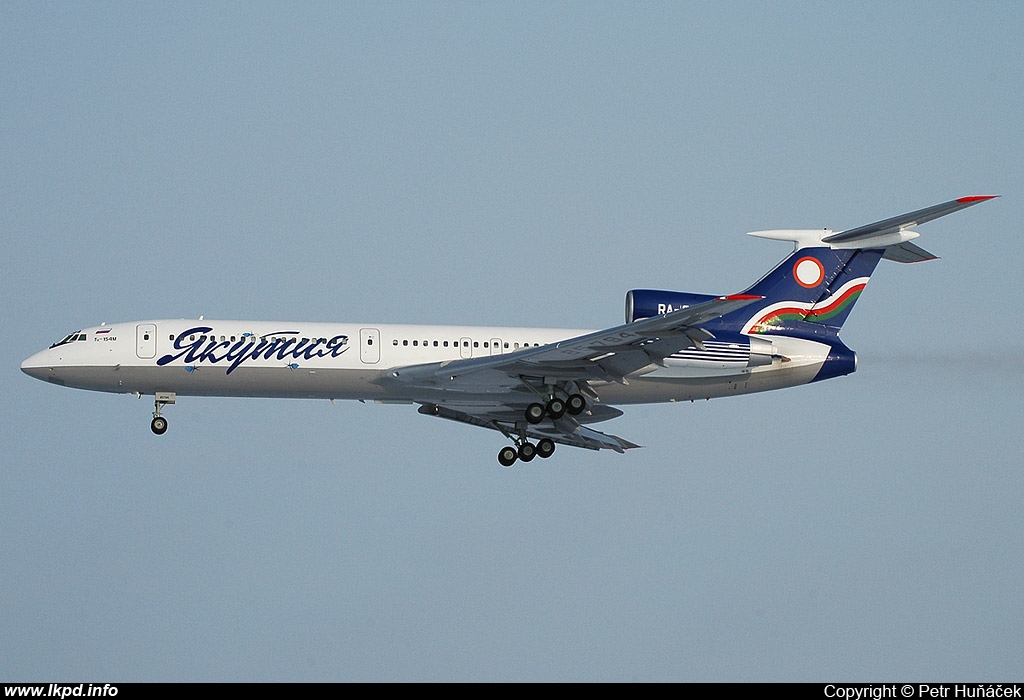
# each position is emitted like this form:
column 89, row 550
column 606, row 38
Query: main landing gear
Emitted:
column 554, row 409
column 159, row 424
column 526, row 451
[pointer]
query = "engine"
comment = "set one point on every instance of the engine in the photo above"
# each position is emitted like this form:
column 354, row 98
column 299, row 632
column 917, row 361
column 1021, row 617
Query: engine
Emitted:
column 645, row 303
column 734, row 350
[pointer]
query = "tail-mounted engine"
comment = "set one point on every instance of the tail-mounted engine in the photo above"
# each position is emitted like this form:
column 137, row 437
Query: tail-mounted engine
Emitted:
column 647, row 303
column 734, row 351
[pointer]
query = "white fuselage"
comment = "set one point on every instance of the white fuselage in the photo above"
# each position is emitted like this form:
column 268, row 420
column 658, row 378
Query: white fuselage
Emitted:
column 349, row 361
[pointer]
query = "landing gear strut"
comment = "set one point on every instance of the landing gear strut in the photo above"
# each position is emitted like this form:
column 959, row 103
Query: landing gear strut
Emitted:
column 159, row 424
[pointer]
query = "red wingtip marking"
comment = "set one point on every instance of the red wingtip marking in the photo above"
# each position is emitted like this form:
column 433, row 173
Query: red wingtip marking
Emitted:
column 978, row 198
column 738, row 297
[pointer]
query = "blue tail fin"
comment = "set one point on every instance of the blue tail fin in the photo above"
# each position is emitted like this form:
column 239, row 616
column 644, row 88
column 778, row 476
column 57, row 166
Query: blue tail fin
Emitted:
column 811, row 292
column 814, row 289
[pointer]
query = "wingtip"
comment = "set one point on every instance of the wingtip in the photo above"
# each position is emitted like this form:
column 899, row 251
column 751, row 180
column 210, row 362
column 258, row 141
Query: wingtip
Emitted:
column 976, row 198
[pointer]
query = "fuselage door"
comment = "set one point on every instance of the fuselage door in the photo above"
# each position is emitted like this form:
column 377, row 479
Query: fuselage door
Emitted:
column 465, row 349
column 495, row 346
column 369, row 345
column 145, row 340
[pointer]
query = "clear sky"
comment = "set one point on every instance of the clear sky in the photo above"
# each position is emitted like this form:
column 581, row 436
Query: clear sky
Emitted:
column 510, row 164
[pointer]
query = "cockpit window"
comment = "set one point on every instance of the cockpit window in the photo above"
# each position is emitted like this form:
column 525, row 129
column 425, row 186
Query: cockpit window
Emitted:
column 69, row 338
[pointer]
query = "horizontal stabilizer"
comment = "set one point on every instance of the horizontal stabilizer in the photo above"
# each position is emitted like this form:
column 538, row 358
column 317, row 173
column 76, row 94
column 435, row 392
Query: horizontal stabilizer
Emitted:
column 891, row 235
column 900, row 223
column 907, row 253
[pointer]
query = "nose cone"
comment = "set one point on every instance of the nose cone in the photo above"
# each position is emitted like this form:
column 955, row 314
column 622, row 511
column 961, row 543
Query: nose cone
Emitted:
column 36, row 366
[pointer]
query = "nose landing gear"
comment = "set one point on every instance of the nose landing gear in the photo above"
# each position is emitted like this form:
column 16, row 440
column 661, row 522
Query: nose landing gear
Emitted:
column 159, row 424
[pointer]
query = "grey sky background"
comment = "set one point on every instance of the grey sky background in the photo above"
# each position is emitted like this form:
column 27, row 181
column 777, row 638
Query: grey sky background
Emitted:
column 510, row 164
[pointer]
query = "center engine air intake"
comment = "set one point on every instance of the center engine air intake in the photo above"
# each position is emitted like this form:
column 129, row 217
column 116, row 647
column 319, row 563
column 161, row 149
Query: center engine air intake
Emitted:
column 646, row 303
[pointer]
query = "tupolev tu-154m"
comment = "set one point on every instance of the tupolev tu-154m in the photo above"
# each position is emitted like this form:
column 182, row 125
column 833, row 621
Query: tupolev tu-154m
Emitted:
column 536, row 386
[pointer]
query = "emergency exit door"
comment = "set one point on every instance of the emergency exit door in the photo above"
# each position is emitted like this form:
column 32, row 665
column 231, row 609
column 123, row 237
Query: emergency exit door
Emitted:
column 369, row 345
column 145, row 341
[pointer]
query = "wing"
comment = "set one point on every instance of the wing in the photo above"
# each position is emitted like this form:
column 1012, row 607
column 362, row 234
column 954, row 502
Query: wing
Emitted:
column 507, row 419
column 493, row 392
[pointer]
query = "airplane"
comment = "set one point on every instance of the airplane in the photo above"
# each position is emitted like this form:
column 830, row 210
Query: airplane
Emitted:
column 536, row 386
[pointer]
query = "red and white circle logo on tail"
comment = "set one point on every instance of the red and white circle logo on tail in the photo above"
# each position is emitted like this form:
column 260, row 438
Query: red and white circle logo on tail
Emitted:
column 808, row 272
